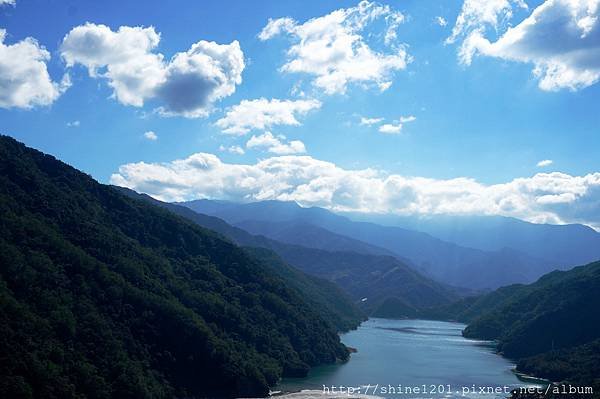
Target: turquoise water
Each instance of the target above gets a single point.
(419, 355)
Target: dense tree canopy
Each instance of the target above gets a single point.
(105, 296)
(552, 327)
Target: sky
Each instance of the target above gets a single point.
(486, 107)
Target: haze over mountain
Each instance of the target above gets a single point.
(311, 236)
(370, 279)
(570, 244)
(444, 261)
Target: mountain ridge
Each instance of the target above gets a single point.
(359, 274)
(568, 244)
(444, 261)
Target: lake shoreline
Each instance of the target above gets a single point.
(410, 354)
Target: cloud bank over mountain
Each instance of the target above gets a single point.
(544, 197)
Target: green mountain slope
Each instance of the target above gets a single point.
(551, 327)
(105, 296)
(560, 310)
(334, 304)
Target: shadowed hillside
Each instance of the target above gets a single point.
(105, 296)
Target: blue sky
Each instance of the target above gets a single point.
(470, 112)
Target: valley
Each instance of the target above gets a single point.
(257, 292)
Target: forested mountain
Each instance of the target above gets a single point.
(105, 296)
(444, 261)
(571, 244)
(551, 326)
(370, 279)
(338, 307)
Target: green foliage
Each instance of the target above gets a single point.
(376, 278)
(579, 365)
(552, 327)
(105, 296)
(560, 310)
(333, 304)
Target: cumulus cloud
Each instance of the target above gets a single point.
(73, 124)
(544, 163)
(545, 197)
(370, 121)
(263, 114)
(150, 135)
(333, 47)
(568, 61)
(24, 78)
(8, 2)
(275, 145)
(186, 85)
(234, 149)
(441, 21)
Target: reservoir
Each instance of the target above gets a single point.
(405, 359)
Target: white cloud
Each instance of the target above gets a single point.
(370, 121)
(263, 114)
(441, 21)
(569, 60)
(150, 135)
(390, 128)
(8, 2)
(396, 126)
(544, 163)
(477, 15)
(73, 124)
(24, 78)
(545, 197)
(334, 50)
(234, 149)
(186, 85)
(276, 27)
(274, 145)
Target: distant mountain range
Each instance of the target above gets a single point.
(444, 261)
(571, 244)
(370, 279)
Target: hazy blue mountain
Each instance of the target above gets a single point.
(569, 245)
(445, 261)
(270, 211)
(311, 236)
(369, 279)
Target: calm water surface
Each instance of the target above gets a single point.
(411, 353)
